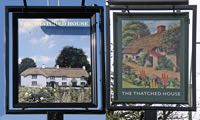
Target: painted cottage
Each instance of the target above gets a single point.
(45, 77)
(149, 44)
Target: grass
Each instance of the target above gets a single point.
(126, 84)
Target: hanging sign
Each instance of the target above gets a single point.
(151, 58)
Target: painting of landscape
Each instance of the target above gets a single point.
(151, 54)
(54, 62)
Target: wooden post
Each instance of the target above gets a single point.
(150, 115)
(55, 116)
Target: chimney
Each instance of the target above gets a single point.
(57, 66)
(83, 67)
(43, 65)
(138, 36)
(161, 28)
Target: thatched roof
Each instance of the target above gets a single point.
(146, 43)
(58, 72)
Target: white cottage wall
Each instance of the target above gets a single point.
(27, 81)
(59, 80)
(42, 81)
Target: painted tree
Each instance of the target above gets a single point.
(170, 43)
(133, 30)
(25, 64)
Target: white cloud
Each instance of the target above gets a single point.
(89, 60)
(19, 60)
(44, 41)
(41, 59)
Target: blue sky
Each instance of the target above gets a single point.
(44, 48)
(152, 24)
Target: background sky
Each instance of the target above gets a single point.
(3, 116)
(44, 48)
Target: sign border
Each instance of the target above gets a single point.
(117, 17)
(87, 11)
(124, 106)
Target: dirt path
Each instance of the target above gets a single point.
(149, 71)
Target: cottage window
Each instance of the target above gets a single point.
(34, 83)
(52, 77)
(82, 78)
(34, 76)
(82, 83)
(64, 83)
(64, 78)
(48, 84)
(137, 57)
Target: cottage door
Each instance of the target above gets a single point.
(74, 82)
(53, 84)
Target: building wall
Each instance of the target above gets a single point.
(68, 80)
(155, 62)
(27, 81)
(42, 81)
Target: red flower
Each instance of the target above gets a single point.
(164, 79)
(142, 73)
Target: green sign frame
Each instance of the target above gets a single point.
(161, 93)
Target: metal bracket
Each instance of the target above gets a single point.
(150, 115)
(55, 116)
(127, 9)
(83, 3)
(173, 8)
(25, 3)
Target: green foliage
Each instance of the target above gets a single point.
(132, 30)
(129, 75)
(130, 59)
(142, 58)
(54, 95)
(124, 115)
(25, 64)
(72, 57)
(164, 64)
(170, 40)
(173, 83)
(137, 81)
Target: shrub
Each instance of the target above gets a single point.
(142, 58)
(164, 64)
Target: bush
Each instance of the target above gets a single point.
(54, 95)
(164, 64)
(142, 58)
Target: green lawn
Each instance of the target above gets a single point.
(126, 84)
